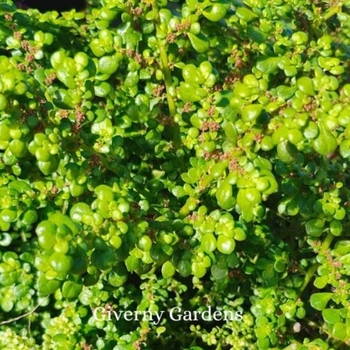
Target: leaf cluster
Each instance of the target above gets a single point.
(159, 154)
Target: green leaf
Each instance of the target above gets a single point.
(231, 132)
(208, 242)
(103, 259)
(5, 239)
(7, 304)
(79, 210)
(198, 269)
(225, 245)
(60, 219)
(108, 65)
(218, 272)
(279, 266)
(251, 112)
(290, 71)
(263, 343)
(65, 77)
(224, 196)
(62, 99)
(314, 227)
(319, 301)
(288, 206)
(198, 42)
(184, 268)
(118, 276)
(132, 79)
(339, 331)
(132, 263)
(246, 14)
(39, 75)
(190, 92)
(219, 169)
(331, 316)
(256, 34)
(285, 92)
(287, 152)
(344, 148)
(103, 89)
(305, 85)
(71, 290)
(325, 143)
(20, 186)
(8, 215)
(321, 282)
(160, 330)
(168, 269)
(342, 247)
(336, 227)
(215, 12)
(268, 65)
(47, 287)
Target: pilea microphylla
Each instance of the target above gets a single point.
(167, 164)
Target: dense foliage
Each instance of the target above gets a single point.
(158, 156)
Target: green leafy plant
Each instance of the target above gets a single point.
(161, 156)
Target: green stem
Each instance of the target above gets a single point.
(167, 77)
(168, 81)
(331, 12)
(312, 270)
(23, 315)
(321, 19)
(165, 68)
(65, 206)
(168, 84)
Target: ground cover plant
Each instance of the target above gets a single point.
(175, 157)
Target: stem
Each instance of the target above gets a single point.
(65, 206)
(167, 77)
(310, 273)
(321, 19)
(312, 270)
(22, 316)
(165, 68)
(331, 12)
(168, 81)
(168, 84)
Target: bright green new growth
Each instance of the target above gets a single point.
(159, 154)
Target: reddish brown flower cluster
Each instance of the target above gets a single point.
(216, 155)
(232, 78)
(235, 166)
(171, 37)
(183, 26)
(63, 113)
(187, 107)
(166, 120)
(80, 116)
(94, 161)
(310, 106)
(210, 125)
(50, 78)
(158, 91)
(17, 35)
